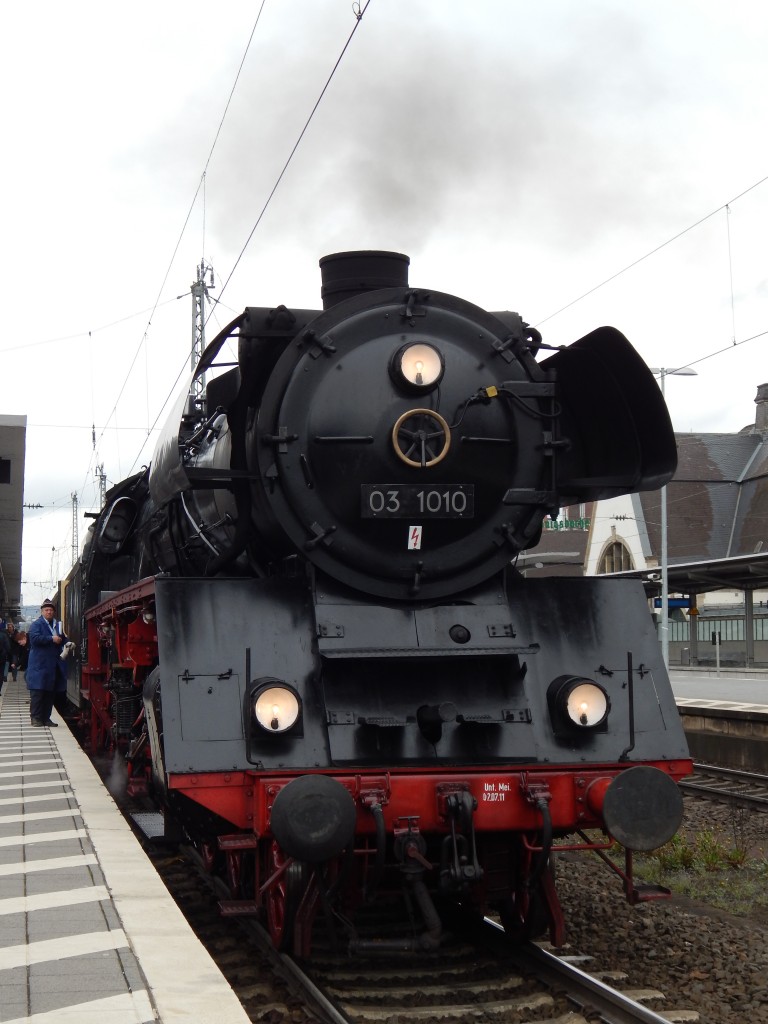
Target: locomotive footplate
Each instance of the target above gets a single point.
(503, 798)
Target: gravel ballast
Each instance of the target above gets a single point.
(701, 956)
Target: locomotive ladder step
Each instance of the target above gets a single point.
(238, 842)
(383, 722)
(151, 823)
(645, 892)
(238, 908)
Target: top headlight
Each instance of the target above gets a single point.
(418, 366)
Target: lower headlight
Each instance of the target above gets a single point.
(586, 704)
(577, 704)
(276, 708)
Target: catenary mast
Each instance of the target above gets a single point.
(199, 288)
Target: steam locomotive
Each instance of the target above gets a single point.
(304, 628)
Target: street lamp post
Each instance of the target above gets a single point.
(663, 372)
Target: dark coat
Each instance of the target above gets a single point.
(19, 651)
(45, 669)
(5, 647)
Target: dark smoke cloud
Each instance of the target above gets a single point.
(437, 127)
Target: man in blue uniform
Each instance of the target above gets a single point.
(5, 654)
(46, 672)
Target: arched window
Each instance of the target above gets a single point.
(615, 558)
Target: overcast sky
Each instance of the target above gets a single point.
(521, 154)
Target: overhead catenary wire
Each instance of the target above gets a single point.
(77, 426)
(149, 429)
(730, 270)
(189, 213)
(157, 303)
(359, 13)
(735, 343)
(658, 248)
(87, 333)
(718, 352)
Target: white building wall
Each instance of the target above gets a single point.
(618, 519)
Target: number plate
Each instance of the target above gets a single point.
(411, 501)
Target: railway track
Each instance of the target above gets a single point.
(481, 976)
(728, 785)
(475, 975)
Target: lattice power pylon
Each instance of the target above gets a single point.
(75, 536)
(101, 476)
(199, 289)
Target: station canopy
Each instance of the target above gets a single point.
(742, 572)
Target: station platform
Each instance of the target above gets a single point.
(724, 706)
(88, 932)
(729, 733)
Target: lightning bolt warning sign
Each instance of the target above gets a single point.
(414, 538)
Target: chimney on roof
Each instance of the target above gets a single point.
(761, 414)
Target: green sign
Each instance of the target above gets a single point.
(566, 524)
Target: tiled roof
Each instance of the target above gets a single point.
(714, 456)
(717, 502)
(717, 505)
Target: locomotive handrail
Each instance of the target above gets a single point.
(141, 589)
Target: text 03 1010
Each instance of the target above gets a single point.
(395, 501)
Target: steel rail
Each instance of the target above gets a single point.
(584, 990)
(732, 777)
(581, 988)
(285, 965)
(731, 773)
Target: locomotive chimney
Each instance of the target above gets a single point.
(761, 413)
(345, 274)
